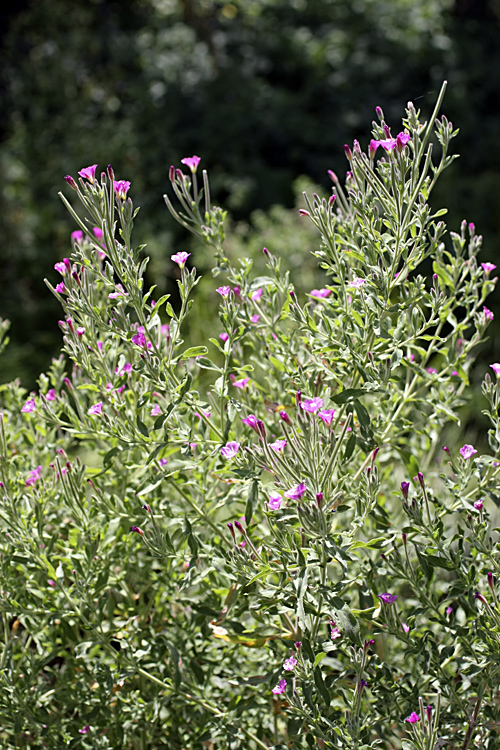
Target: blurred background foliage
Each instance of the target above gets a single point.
(265, 91)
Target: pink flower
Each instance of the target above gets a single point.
(155, 411)
(278, 446)
(140, 339)
(327, 416)
(51, 583)
(413, 718)
(84, 730)
(163, 461)
(255, 318)
(372, 147)
(496, 368)
(241, 383)
(29, 406)
(289, 664)
(51, 395)
(120, 293)
(388, 144)
(60, 288)
(97, 233)
(357, 283)
(252, 422)
(320, 293)
(224, 291)
(127, 367)
(191, 162)
(255, 296)
(488, 267)
(467, 451)
(121, 188)
(60, 268)
(280, 688)
(80, 330)
(230, 450)
(478, 505)
(224, 336)
(405, 627)
(312, 405)
(77, 235)
(432, 370)
(88, 172)
(274, 502)
(297, 492)
(180, 258)
(35, 474)
(334, 631)
(487, 313)
(96, 409)
(387, 598)
(402, 140)
(165, 329)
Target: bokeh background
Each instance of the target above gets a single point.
(265, 91)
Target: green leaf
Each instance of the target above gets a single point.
(252, 497)
(142, 427)
(320, 684)
(194, 351)
(319, 657)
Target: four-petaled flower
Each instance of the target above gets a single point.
(387, 598)
(229, 450)
(255, 296)
(51, 395)
(312, 405)
(77, 235)
(327, 416)
(280, 688)
(487, 313)
(156, 411)
(402, 140)
(34, 475)
(478, 505)
(279, 445)
(241, 383)
(191, 162)
(88, 172)
(320, 293)
(297, 492)
(251, 421)
(413, 718)
(289, 664)
(223, 336)
(121, 188)
(29, 406)
(60, 267)
(224, 291)
(140, 339)
(357, 283)
(334, 631)
(496, 368)
(180, 259)
(60, 288)
(467, 451)
(274, 502)
(85, 729)
(96, 409)
(255, 318)
(98, 233)
(488, 267)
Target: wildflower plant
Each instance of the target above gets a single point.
(262, 542)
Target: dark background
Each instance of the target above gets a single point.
(263, 90)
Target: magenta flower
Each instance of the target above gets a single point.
(241, 383)
(297, 492)
(252, 421)
(488, 267)
(432, 371)
(80, 330)
(274, 502)
(51, 583)
(404, 489)
(467, 451)
(334, 631)
(119, 294)
(405, 627)
(140, 339)
(88, 172)
(255, 318)
(496, 368)
(280, 688)
(372, 147)
(137, 530)
(84, 730)
(34, 475)
(155, 411)
(388, 144)
(402, 140)
(279, 445)
(357, 283)
(121, 188)
(29, 406)
(224, 336)
(60, 288)
(413, 718)
(289, 664)
(97, 233)
(229, 450)
(60, 268)
(224, 291)
(255, 296)
(51, 395)
(191, 162)
(487, 313)
(312, 405)
(327, 416)
(320, 293)
(388, 598)
(478, 505)
(96, 409)
(71, 182)
(77, 235)
(163, 461)
(180, 259)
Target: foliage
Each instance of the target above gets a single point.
(341, 589)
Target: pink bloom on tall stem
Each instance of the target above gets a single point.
(191, 162)
(255, 318)
(289, 664)
(487, 313)
(478, 505)
(61, 267)
(121, 188)
(155, 411)
(224, 336)
(60, 288)
(119, 294)
(387, 598)
(85, 729)
(51, 395)
(327, 416)
(467, 451)
(252, 422)
(496, 368)
(488, 267)
(357, 283)
(320, 293)
(278, 446)
(139, 339)
(88, 172)
(242, 383)
(77, 235)
(255, 296)
(180, 259)
(35, 474)
(96, 409)
(388, 144)
(312, 405)
(230, 450)
(29, 406)
(224, 291)
(297, 492)
(405, 627)
(402, 140)
(274, 502)
(279, 688)
(413, 718)
(372, 147)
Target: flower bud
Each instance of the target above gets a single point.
(137, 530)
(284, 416)
(489, 576)
(348, 152)
(380, 113)
(71, 182)
(404, 489)
(171, 173)
(420, 477)
(111, 173)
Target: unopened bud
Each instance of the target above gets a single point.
(71, 182)
(319, 499)
(137, 530)
(420, 477)
(379, 112)
(333, 176)
(171, 173)
(489, 576)
(348, 152)
(284, 416)
(111, 173)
